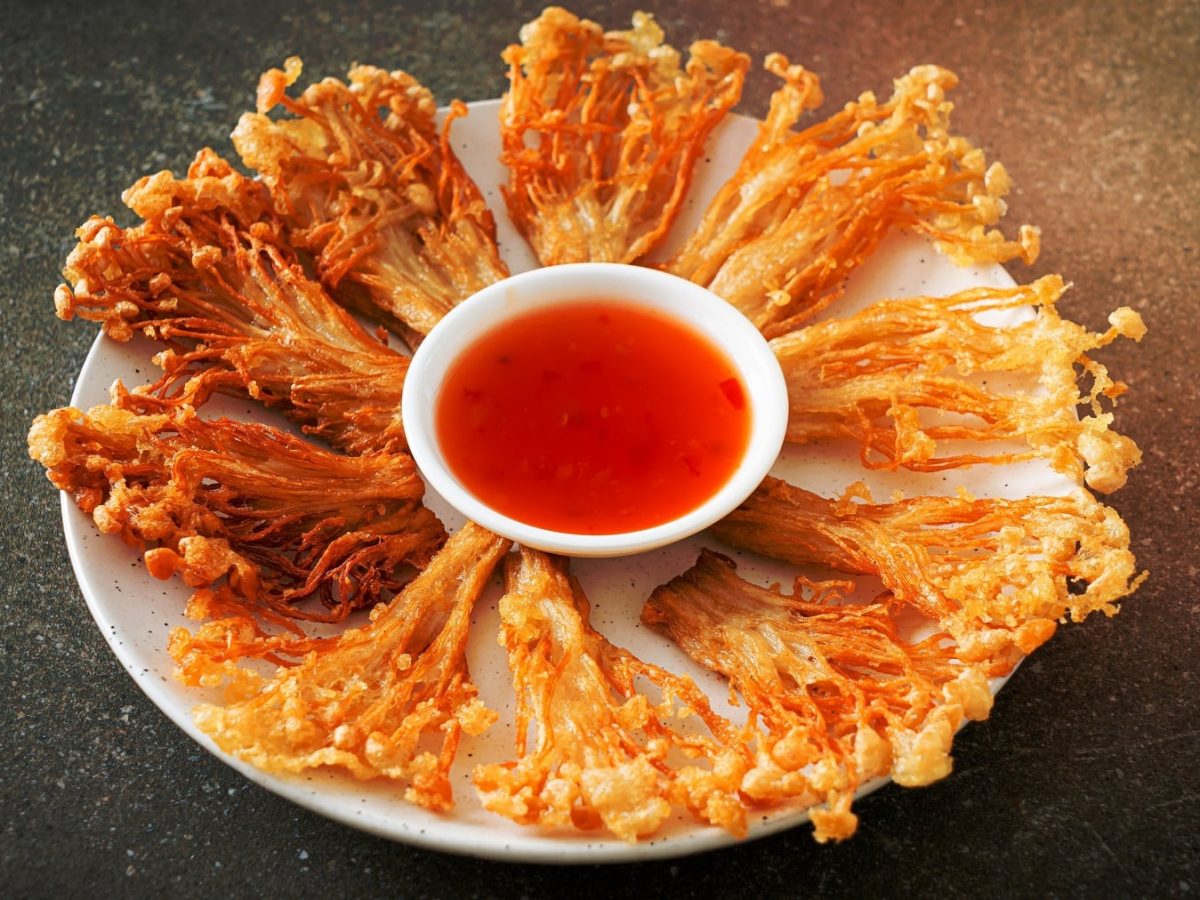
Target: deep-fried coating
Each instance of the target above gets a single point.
(962, 562)
(369, 186)
(885, 377)
(601, 132)
(601, 752)
(805, 208)
(363, 702)
(210, 274)
(277, 518)
(839, 695)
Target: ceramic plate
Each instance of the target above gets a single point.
(135, 612)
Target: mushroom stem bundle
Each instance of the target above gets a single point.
(960, 561)
(837, 695)
(886, 378)
(276, 518)
(602, 747)
(211, 274)
(602, 130)
(806, 207)
(368, 184)
(363, 701)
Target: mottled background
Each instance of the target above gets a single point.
(1083, 781)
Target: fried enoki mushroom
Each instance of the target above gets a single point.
(278, 519)
(885, 378)
(805, 208)
(837, 695)
(363, 702)
(368, 184)
(602, 747)
(601, 132)
(963, 562)
(210, 274)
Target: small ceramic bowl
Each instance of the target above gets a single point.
(703, 311)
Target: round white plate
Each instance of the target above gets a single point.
(135, 612)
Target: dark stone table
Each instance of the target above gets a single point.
(1086, 779)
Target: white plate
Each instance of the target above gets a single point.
(135, 612)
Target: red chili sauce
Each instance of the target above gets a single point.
(593, 418)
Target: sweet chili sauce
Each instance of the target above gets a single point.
(593, 418)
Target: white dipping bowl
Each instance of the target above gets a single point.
(669, 295)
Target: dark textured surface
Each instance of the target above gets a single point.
(1086, 779)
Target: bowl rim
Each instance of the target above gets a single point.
(685, 302)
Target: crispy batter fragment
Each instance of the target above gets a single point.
(228, 632)
(601, 132)
(277, 518)
(960, 561)
(210, 274)
(369, 186)
(363, 701)
(601, 753)
(839, 695)
(877, 377)
(805, 208)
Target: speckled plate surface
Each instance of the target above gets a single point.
(135, 612)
